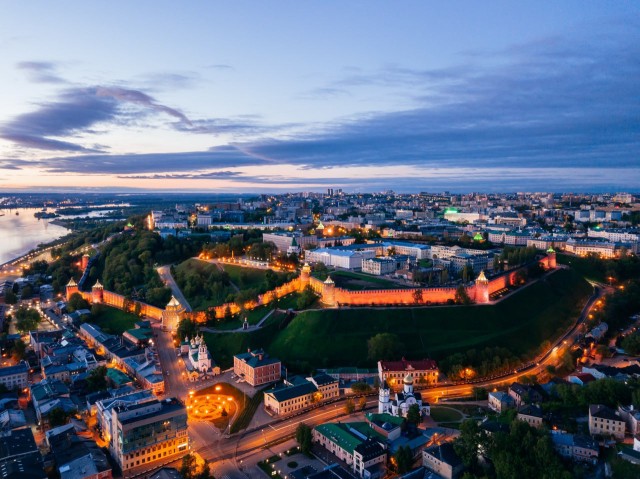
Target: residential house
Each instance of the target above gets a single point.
(443, 460)
(500, 401)
(604, 421)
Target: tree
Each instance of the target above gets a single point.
(413, 415)
(76, 302)
(97, 379)
(18, 350)
(384, 346)
(187, 468)
(187, 328)
(631, 344)
(205, 472)
(349, 406)
(360, 387)
(417, 296)
(306, 298)
(462, 297)
(362, 403)
(58, 417)
(303, 437)
(403, 459)
(27, 319)
(10, 297)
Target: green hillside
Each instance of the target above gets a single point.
(339, 337)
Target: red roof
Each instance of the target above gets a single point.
(407, 365)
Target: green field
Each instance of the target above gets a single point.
(360, 282)
(113, 321)
(250, 278)
(338, 337)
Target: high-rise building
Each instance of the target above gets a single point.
(151, 432)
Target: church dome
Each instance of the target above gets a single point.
(408, 379)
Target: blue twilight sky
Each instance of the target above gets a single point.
(291, 95)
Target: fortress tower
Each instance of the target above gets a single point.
(329, 292)
(171, 315)
(85, 261)
(72, 287)
(482, 288)
(97, 293)
(305, 274)
(551, 254)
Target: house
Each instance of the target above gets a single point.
(500, 401)
(580, 378)
(349, 444)
(257, 368)
(631, 417)
(299, 393)
(530, 414)
(604, 421)
(523, 393)
(15, 377)
(443, 460)
(424, 372)
(77, 457)
(166, 473)
(575, 447)
(19, 456)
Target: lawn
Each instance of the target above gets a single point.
(361, 282)
(113, 321)
(333, 338)
(224, 346)
(250, 278)
(446, 414)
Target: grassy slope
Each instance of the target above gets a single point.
(200, 301)
(586, 267)
(114, 321)
(247, 278)
(521, 323)
(339, 337)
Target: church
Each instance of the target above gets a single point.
(198, 359)
(403, 400)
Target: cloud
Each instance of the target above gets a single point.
(211, 175)
(220, 66)
(41, 72)
(77, 110)
(217, 157)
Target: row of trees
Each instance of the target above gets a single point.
(521, 453)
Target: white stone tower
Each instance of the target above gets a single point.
(384, 404)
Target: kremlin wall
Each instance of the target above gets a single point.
(330, 295)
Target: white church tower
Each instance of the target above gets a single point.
(384, 405)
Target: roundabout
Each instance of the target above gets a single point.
(211, 406)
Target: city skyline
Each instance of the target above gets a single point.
(252, 97)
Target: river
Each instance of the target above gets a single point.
(21, 233)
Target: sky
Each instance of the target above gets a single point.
(273, 96)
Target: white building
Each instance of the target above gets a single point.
(198, 355)
(339, 258)
(403, 400)
(379, 266)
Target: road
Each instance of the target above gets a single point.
(165, 275)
